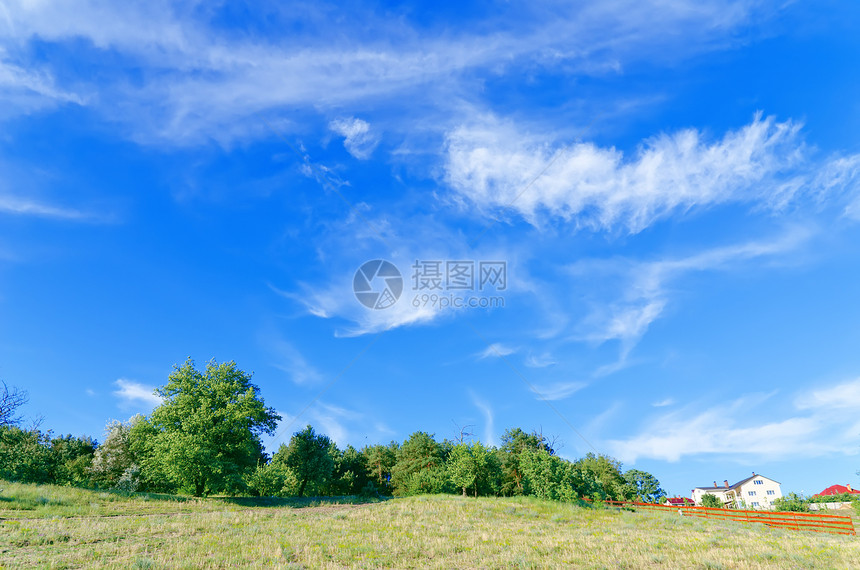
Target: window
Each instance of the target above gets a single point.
(758, 482)
(755, 504)
(752, 493)
(771, 492)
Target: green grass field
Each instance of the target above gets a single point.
(59, 527)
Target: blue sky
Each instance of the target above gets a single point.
(674, 188)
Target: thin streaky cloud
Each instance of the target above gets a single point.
(25, 207)
(496, 350)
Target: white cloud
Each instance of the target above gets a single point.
(641, 287)
(202, 84)
(822, 423)
(560, 390)
(26, 90)
(28, 207)
(342, 425)
(663, 403)
(358, 140)
(496, 350)
(495, 166)
(844, 396)
(291, 361)
(489, 420)
(543, 360)
(133, 393)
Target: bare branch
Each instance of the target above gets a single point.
(10, 401)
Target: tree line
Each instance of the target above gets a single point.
(206, 438)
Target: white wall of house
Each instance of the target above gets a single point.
(759, 492)
(724, 494)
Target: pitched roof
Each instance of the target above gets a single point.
(738, 484)
(753, 476)
(836, 490)
(679, 501)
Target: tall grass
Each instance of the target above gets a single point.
(416, 532)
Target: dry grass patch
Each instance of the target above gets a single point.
(418, 532)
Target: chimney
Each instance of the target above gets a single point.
(753, 473)
(848, 486)
(727, 483)
(715, 484)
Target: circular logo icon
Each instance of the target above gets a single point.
(377, 284)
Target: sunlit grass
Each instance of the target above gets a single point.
(417, 532)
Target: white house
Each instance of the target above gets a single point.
(756, 492)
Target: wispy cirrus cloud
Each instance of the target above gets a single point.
(489, 419)
(496, 350)
(17, 206)
(291, 361)
(205, 83)
(817, 423)
(641, 288)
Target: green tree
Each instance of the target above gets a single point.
(712, 501)
(792, 503)
(25, 455)
(206, 433)
(607, 471)
(308, 457)
(114, 456)
(472, 466)
(645, 486)
(72, 458)
(419, 467)
(514, 441)
(350, 475)
(380, 461)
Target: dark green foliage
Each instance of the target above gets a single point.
(25, 455)
(350, 474)
(206, 438)
(30, 456)
(380, 461)
(607, 472)
(514, 441)
(309, 458)
(419, 467)
(644, 486)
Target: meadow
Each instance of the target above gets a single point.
(63, 527)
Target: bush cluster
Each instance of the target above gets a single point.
(205, 438)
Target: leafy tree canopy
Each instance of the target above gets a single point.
(207, 430)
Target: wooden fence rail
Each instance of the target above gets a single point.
(835, 524)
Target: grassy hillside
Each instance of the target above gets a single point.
(61, 527)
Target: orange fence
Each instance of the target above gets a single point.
(836, 524)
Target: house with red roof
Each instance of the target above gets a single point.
(679, 502)
(837, 490)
